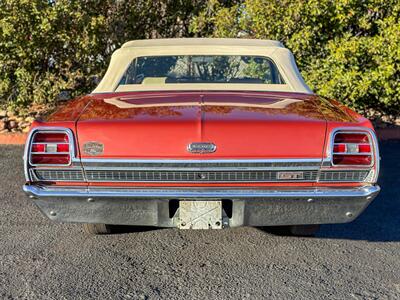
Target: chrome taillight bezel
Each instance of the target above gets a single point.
(70, 152)
(29, 142)
(374, 165)
(339, 153)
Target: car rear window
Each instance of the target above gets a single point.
(160, 70)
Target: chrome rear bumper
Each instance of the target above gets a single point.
(252, 207)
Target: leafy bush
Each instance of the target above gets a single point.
(345, 49)
(48, 46)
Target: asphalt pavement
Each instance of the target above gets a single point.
(40, 259)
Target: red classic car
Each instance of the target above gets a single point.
(202, 133)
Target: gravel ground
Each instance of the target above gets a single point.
(44, 260)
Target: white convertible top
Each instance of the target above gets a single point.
(274, 50)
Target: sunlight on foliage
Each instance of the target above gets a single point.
(345, 49)
(50, 46)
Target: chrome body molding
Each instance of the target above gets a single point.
(57, 175)
(194, 176)
(220, 193)
(252, 207)
(197, 175)
(191, 164)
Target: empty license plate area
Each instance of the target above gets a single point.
(200, 214)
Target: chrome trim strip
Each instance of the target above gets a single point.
(320, 176)
(187, 176)
(34, 175)
(343, 175)
(203, 169)
(212, 165)
(56, 168)
(358, 153)
(42, 191)
(49, 153)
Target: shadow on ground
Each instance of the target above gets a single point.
(121, 229)
(380, 222)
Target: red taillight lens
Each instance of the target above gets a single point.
(351, 138)
(51, 137)
(50, 159)
(339, 148)
(352, 159)
(39, 148)
(50, 148)
(63, 148)
(352, 149)
(366, 148)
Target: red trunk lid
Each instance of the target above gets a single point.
(241, 125)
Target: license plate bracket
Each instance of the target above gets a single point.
(200, 214)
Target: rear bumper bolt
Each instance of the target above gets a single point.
(349, 214)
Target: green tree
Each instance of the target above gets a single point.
(49, 46)
(345, 49)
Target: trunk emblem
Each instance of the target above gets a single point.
(93, 148)
(202, 148)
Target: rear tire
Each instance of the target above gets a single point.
(303, 230)
(97, 228)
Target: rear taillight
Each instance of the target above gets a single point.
(50, 148)
(352, 148)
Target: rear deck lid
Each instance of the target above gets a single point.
(163, 125)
